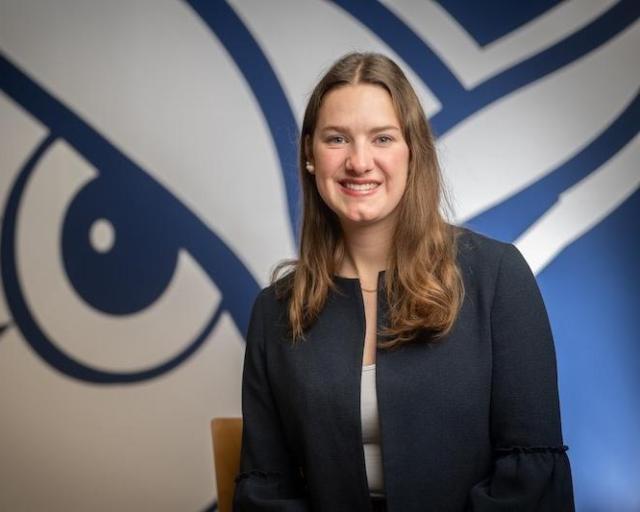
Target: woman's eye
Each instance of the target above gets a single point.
(384, 139)
(336, 139)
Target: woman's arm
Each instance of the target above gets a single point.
(268, 479)
(531, 468)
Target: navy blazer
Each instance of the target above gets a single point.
(470, 422)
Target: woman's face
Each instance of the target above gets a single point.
(360, 156)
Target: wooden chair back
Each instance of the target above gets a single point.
(226, 434)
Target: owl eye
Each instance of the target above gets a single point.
(97, 258)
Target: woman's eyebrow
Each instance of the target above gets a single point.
(343, 129)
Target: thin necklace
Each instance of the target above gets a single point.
(365, 289)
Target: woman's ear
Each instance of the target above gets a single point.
(308, 154)
(308, 149)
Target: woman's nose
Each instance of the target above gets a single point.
(359, 159)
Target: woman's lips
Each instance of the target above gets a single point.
(359, 190)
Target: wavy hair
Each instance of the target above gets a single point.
(423, 284)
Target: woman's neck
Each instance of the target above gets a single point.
(367, 250)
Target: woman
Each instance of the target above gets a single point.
(403, 364)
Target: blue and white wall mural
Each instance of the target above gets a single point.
(148, 186)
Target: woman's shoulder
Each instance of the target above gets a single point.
(472, 243)
(479, 254)
(484, 259)
(274, 295)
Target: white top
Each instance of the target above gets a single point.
(371, 430)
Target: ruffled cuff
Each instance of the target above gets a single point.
(526, 478)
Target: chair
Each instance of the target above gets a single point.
(226, 434)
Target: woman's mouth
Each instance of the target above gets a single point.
(354, 188)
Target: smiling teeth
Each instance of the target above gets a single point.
(354, 186)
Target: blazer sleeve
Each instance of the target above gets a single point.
(268, 480)
(531, 470)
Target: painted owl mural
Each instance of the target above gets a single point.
(148, 185)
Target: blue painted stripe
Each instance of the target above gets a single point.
(265, 86)
(489, 20)
(509, 219)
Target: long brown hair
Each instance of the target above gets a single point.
(423, 285)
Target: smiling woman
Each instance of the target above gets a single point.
(402, 362)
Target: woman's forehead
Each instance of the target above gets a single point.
(360, 105)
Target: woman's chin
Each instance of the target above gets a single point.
(360, 220)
